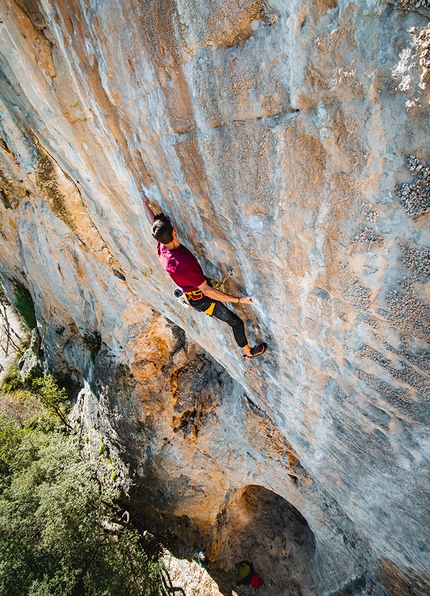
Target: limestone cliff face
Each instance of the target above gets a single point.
(290, 141)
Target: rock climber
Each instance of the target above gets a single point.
(185, 271)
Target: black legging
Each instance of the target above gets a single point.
(222, 313)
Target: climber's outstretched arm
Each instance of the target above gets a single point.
(150, 215)
(210, 292)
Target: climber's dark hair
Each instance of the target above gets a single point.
(162, 229)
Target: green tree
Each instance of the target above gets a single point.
(52, 397)
(45, 388)
(60, 531)
(12, 379)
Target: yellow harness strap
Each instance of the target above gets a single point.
(210, 311)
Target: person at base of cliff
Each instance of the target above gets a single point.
(203, 559)
(246, 575)
(184, 269)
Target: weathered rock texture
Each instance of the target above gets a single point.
(289, 140)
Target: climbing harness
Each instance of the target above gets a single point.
(198, 295)
(185, 298)
(194, 295)
(210, 310)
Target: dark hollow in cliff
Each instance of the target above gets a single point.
(260, 526)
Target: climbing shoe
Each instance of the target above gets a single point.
(257, 350)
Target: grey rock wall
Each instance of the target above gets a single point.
(290, 141)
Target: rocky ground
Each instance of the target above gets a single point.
(196, 581)
(263, 529)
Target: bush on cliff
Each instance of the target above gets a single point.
(53, 399)
(12, 379)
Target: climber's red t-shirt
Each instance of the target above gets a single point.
(182, 266)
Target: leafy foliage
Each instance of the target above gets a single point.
(52, 396)
(60, 529)
(45, 388)
(12, 379)
(25, 306)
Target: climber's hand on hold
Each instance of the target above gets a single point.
(147, 207)
(246, 300)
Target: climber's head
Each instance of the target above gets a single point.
(162, 229)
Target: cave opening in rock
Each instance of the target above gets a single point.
(262, 527)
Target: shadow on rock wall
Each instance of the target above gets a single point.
(260, 526)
